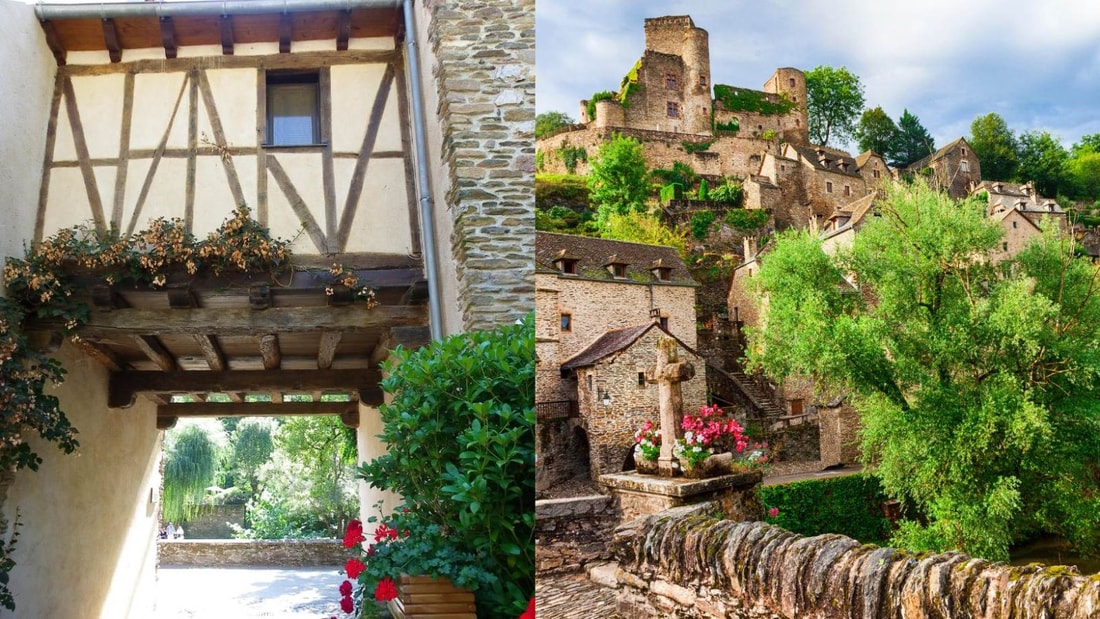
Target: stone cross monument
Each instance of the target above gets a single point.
(668, 374)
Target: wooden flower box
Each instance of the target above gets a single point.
(431, 598)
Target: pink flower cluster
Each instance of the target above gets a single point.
(705, 429)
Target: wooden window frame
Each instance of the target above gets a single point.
(278, 80)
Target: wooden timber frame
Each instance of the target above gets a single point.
(240, 344)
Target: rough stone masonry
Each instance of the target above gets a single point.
(683, 563)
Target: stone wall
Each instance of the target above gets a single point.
(797, 443)
(482, 66)
(561, 448)
(215, 523)
(839, 433)
(684, 564)
(570, 533)
(253, 552)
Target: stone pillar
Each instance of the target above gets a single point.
(370, 447)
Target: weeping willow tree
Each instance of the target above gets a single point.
(189, 468)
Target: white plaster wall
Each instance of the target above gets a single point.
(26, 86)
(87, 546)
(439, 173)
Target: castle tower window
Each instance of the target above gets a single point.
(702, 80)
(798, 122)
(566, 322)
(293, 108)
(790, 82)
(641, 379)
(670, 81)
(847, 190)
(828, 187)
(673, 109)
(1004, 246)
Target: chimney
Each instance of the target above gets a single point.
(750, 247)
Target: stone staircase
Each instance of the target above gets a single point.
(735, 385)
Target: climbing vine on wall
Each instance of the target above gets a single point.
(629, 85)
(744, 100)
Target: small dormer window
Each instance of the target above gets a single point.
(618, 269)
(663, 274)
(568, 266)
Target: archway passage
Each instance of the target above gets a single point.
(251, 345)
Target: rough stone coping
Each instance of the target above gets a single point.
(571, 506)
(678, 487)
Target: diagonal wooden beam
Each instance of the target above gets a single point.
(156, 352)
(297, 204)
(123, 387)
(269, 350)
(168, 37)
(103, 355)
(358, 177)
(54, 43)
(227, 35)
(286, 30)
(213, 354)
(343, 30)
(95, 201)
(145, 186)
(327, 350)
(219, 137)
(110, 39)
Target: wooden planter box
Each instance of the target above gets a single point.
(434, 598)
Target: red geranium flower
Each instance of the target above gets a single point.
(354, 567)
(386, 590)
(345, 588)
(354, 534)
(530, 612)
(383, 532)
(346, 604)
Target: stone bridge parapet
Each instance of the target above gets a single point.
(253, 552)
(684, 563)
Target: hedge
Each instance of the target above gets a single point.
(850, 505)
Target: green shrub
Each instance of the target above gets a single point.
(695, 147)
(599, 96)
(704, 191)
(744, 100)
(671, 191)
(727, 127)
(746, 220)
(460, 433)
(730, 193)
(700, 223)
(571, 156)
(561, 189)
(849, 505)
(680, 172)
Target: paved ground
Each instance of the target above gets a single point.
(573, 596)
(247, 593)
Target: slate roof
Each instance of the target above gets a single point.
(922, 163)
(865, 156)
(593, 255)
(809, 153)
(613, 341)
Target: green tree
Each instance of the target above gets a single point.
(618, 178)
(550, 122)
(643, 228)
(1043, 160)
(913, 141)
(1083, 170)
(834, 98)
(876, 132)
(252, 445)
(996, 147)
(975, 381)
(189, 464)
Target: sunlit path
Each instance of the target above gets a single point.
(271, 593)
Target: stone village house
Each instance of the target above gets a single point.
(600, 306)
(395, 135)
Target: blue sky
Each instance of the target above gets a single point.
(1036, 63)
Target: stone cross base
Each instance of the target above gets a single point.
(642, 495)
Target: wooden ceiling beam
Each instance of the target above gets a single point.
(124, 386)
(54, 43)
(408, 337)
(227, 35)
(327, 349)
(166, 422)
(215, 358)
(233, 409)
(286, 31)
(156, 352)
(350, 418)
(110, 39)
(168, 37)
(244, 321)
(343, 31)
(103, 355)
(269, 351)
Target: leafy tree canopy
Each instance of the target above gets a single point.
(834, 98)
(876, 132)
(1043, 160)
(976, 382)
(618, 178)
(996, 147)
(550, 122)
(913, 141)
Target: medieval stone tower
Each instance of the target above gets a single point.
(791, 83)
(677, 77)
